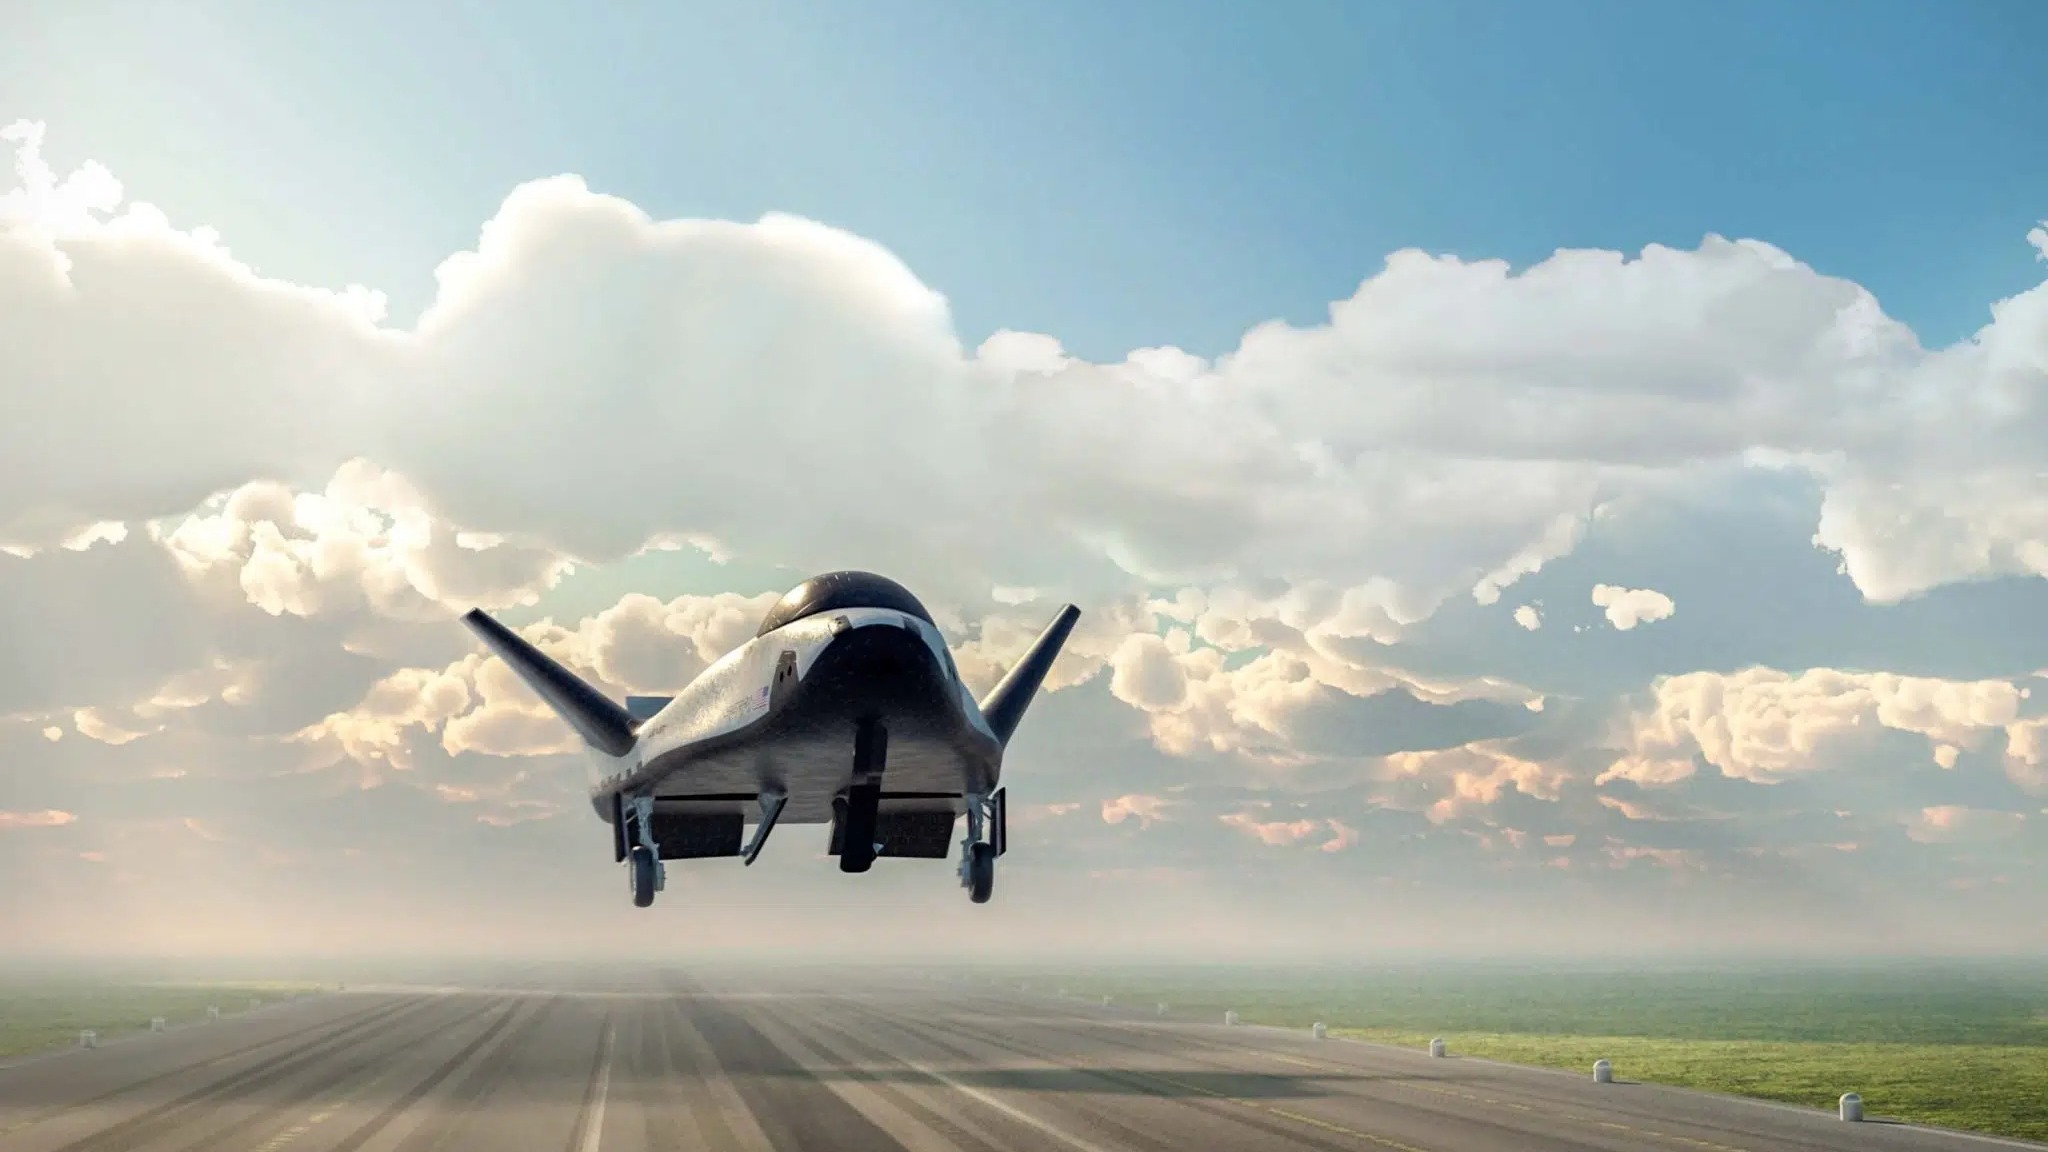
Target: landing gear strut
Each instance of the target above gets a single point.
(857, 847)
(634, 838)
(985, 815)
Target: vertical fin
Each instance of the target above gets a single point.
(603, 724)
(1005, 703)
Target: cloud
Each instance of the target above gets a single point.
(368, 540)
(1346, 836)
(1950, 823)
(239, 516)
(1766, 726)
(1452, 783)
(1146, 810)
(1295, 692)
(1628, 607)
(1274, 833)
(47, 818)
(1335, 459)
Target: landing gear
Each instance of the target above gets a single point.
(857, 846)
(635, 827)
(645, 871)
(772, 803)
(986, 836)
(981, 872)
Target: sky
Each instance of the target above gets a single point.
(1558, 479)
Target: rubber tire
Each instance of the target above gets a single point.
(641, 864)
(981, 872)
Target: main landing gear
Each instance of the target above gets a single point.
(857, 846)
(633, 842)
(985, 815)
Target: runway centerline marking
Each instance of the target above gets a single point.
(593, 1125)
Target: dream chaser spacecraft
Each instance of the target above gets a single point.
(844, 709)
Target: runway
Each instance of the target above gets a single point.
(733, 1062)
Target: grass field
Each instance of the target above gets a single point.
(1961, 1046)
(45, 1013)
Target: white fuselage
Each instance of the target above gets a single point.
(777, 714)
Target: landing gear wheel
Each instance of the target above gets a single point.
(643, 868)
(981, 872)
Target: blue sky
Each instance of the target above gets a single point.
(1123, 175)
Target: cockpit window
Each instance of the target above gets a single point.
(834, 591)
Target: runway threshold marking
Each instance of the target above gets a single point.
(593, 1124)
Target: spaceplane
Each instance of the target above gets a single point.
(846, 708)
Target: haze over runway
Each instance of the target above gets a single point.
(638, 1061)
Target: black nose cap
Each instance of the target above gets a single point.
(878, 664)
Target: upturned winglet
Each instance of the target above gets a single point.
(1004, 705)
(603, 724)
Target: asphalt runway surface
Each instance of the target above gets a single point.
(861, 1064)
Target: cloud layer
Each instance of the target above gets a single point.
(240, 515)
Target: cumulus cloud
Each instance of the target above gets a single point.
(1337, 458)
(1766, 726)
(1448, 784)
(1528, 617)
(1265, 680)
(641, 645)
(1628, 607)
(368, 540)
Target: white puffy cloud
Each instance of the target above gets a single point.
(1145, 672)
(145, 368)
(641, 645)
(2026, 754)
(1764, 725)
(1528, 617)
(1628, 607)
(1453, 783)
(733, 380)
(1238, 676)
(368, 541)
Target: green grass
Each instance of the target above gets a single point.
(1961, 1046)
(40, 1014)
(1989, 1088)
